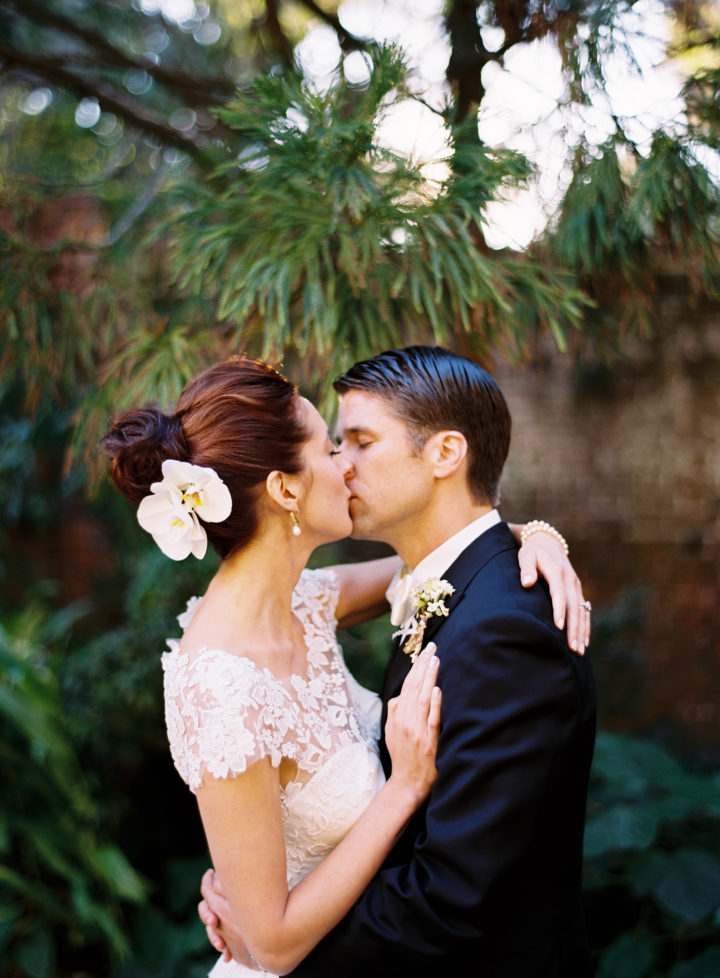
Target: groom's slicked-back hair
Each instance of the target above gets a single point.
(432, 389)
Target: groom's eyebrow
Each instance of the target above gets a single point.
(354, 430)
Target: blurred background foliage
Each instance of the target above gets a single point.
(177, 185)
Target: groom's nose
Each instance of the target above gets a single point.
(344, 464)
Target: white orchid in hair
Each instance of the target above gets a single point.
(172, 513)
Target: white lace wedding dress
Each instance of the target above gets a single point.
(223, 714)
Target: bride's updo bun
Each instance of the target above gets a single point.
(240, 417)
(138, 443)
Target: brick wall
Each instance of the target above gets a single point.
(624, 457)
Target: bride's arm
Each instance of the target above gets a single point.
(363, 585)
(242, 821)
(362, 589)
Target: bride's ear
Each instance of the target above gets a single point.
(284, 490)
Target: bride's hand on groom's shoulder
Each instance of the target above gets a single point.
(216, 914)
(543, 555)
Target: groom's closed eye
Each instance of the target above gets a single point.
(358, 437)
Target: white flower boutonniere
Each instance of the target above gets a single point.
(429, 601)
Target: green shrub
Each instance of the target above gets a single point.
(62, 881)
(652, 853)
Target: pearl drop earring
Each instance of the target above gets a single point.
(296, 531)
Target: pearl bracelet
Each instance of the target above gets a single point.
(540, 526)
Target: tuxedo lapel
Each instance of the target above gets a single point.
(395, 668)
(461, 572)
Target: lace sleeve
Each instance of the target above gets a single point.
(316, 595)
(222, 715)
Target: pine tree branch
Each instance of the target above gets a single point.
(137, 208)
(55, 72)
(195, 91)
(442, 113)
(468, 57)
(346, 39)
(282, 42)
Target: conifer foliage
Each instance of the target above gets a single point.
(318, 238)
(238, 205)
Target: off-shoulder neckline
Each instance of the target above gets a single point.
(197, 653)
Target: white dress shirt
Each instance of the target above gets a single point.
(406, 582)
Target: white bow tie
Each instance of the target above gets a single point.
(400, 594)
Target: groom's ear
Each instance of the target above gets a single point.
(447, 451)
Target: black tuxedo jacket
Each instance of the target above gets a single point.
(489, 870)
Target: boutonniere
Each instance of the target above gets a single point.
(430, 602)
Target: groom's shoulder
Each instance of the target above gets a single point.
(488, 557)
(493, 583)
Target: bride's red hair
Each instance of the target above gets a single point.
(240, 417)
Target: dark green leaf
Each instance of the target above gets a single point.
(629, 956)
(705, 965)
(620, 828)
(689, 887)
(36, 955)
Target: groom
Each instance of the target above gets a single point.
(488, 871)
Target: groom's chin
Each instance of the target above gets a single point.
(360, 528)
(357, 532)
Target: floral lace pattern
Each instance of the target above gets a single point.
(223, 713)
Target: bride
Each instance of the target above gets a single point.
(266, 725)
